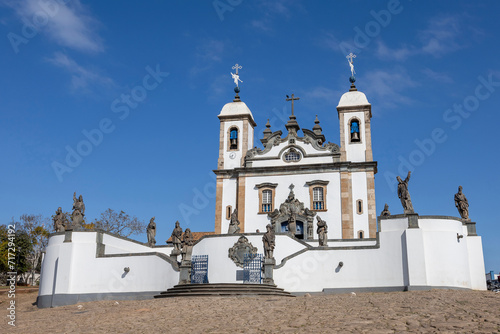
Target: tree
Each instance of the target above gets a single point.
(38, 232)
(119, 223)
(22, 248)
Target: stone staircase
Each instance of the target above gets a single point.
(223, 289)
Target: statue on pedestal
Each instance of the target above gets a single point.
(187, 245)
(176, 238)
(269, 239)
(151, 232)
(78, 211)
(59, 221)
(404, 194)
(462, 204)
(322, 232)
(234, 223)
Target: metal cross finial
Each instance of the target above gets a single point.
(351, 56)
(236, 67)
(293, 98)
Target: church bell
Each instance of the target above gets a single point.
(354, 136)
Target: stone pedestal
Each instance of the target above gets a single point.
(471, 228)
(185, 274)
(268, 270)
(412, 220)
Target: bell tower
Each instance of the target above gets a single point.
(359, 219)
(235, 139)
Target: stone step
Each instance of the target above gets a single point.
(223, 289)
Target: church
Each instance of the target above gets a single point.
(298, 215)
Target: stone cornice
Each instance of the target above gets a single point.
(300, 169)
(238, 118)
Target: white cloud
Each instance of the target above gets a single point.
(207, 53)
(70, 25)
(383, 51)
(323, 94)
(81, 77)
(386, 86)
(437, 76)
(440, 37)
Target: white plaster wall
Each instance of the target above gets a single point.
(229, 187)
(236, 162)
(476, 262)
(359, 192)
(355, 152)
(446, 258)
(250, 136)
(73, 268)
(254, 220)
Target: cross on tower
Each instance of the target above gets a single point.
(293, 98)
(236, 67)
(350, 57)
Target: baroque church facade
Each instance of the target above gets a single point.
(335, 182)
(288, 190)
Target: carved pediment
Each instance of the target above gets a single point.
(239, 249)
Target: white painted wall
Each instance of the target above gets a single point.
(428, 256)
(355, 152)
(229, 187)
(236, 162)
(359, 192)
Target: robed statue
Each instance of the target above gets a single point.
(322, 231)
(59, 221)
(151, 232)
(234, 223)
(386, 211)
(404, 194)
(269, 239)
(462, 204)
(187, 245)
(176, 238)
(78, 211)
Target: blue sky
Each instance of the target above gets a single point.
(146, 81)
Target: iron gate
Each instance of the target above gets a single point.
(252, 268)
(199, 269)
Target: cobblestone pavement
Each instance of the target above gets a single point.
(436, 311)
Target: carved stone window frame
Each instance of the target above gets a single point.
(349, 123)
(233, 127)
(359, 205)
(292, 150)
(266, 186)
(361, 234)
(318, 184)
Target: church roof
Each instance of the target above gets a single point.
(235, 108)
(353, 98)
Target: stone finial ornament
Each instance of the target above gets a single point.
(59, 221)
(462, 204)
(322, 231)
(386, 211)
(404, 194)
(151, 232)
(177, 238)
(234, 223)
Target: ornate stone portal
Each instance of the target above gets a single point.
(291, 211)
(239, 249)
